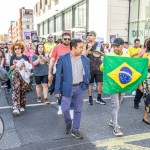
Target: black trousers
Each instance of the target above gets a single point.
(138, 96)
(8, 82)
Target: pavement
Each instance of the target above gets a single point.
(40, 128)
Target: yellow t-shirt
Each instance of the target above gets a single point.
(133, 50)
(114, 54)
(147, 55)
(48, 47)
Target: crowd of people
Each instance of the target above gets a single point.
(71, 66)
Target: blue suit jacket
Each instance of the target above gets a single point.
(63, 83)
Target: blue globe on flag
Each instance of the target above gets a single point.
(125, 75)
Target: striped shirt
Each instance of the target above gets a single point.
(77, 70)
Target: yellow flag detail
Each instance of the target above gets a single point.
(124, 75)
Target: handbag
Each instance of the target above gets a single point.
(3, 75)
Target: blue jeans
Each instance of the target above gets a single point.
(59, 103)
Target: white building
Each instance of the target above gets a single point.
(106, 17)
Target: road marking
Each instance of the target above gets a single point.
(123, 142)
(53, 103)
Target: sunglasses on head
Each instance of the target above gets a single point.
(66, 39)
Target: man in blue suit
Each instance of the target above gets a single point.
(72, 78)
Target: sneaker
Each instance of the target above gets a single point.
(111, 124)
(117, 132)
(134, 93)
(46, 101)
(68, 128)
(22, 109)
(100, 101)
(59, 111)
(39, 100)
(136, 105)
(90, 101)
(16, 112)
(77, 134)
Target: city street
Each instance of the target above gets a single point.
(40, 128)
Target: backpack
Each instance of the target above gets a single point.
(3, 75)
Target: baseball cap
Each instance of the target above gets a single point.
(92, 32)
(118, 41)
(50, 36)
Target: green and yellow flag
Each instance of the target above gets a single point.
(123, 74)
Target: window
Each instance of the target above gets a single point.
(45, 28)
(80, 15)
(51, 26)
(144, 9)
(58, 23)
(134, 5)
(45, 2)
(41, 29)
(28, 26)
(68, 19)
(56, 2)
(40, 4)
(36, 8)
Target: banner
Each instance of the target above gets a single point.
(34, 37)
(27, 36)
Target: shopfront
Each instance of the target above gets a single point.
(139, 20)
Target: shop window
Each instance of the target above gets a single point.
(41, 29)
(133, 32)
(68, 19)
(59, 23)
(45, 28)
(80, 15)
(51, 26)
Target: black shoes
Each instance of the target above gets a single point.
(90, 101)
(77, 134)
(68, 128)
(100, 101)
(136, 105)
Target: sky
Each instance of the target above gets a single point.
(9, 10)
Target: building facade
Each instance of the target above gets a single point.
(23, 25)
(109, 18)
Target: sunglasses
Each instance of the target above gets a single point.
(65, 39)
(17, 48)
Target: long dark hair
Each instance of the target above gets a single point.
(148, 45)
(36, 51)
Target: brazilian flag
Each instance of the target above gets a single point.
(123, 74)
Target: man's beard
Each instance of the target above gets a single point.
(66, 44)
